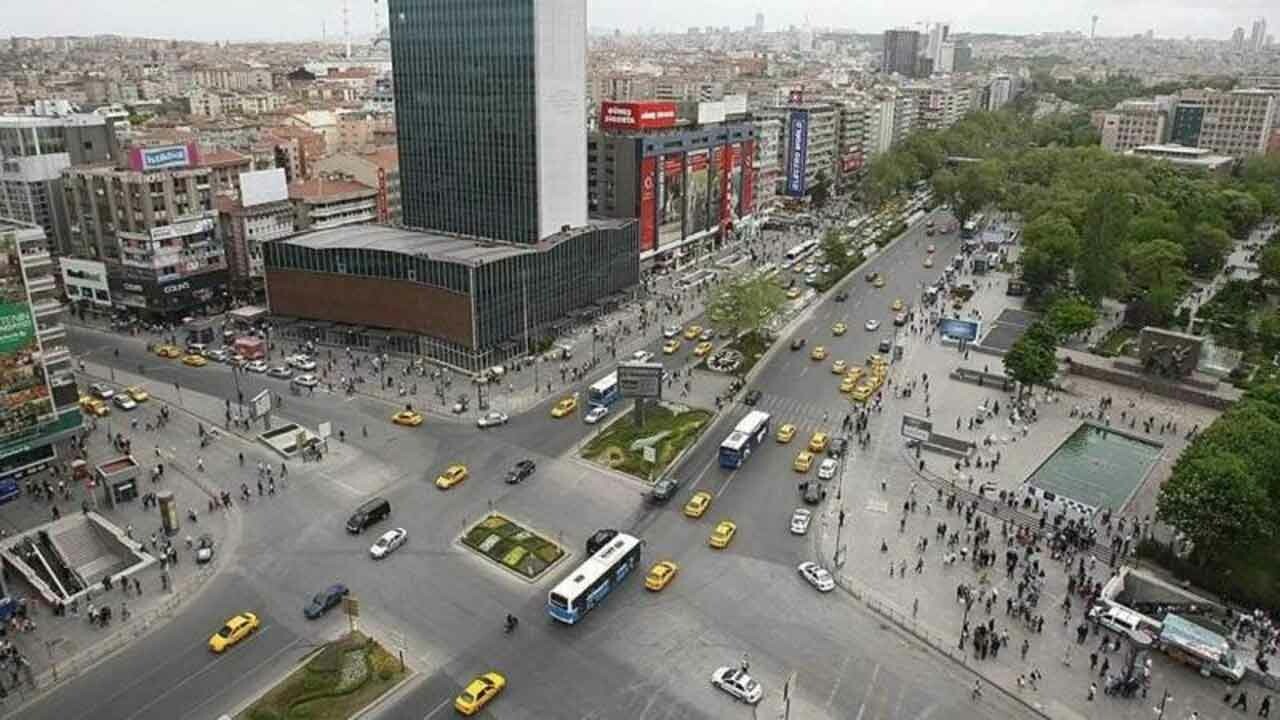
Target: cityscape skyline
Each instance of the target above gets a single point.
(280, 20)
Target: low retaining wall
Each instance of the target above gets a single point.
(1219, 399)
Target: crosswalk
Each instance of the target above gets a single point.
(806, 416)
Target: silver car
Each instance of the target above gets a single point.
(388, 543)
(492, 419)
(800, 521)
(817, 576)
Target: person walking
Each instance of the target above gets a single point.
(1093, 691)
(1241, 703)
(1264, 710)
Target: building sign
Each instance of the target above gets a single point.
(727, 209)
(190, 227)
(671, 195)
(25, 397)
(640, 380)
(916, 427)
(955, 329)
(384, 209)
(797, 153)
(637, 115)
(85, 280)
(166, 157)
(696, 184)
(649, 179)
(748, 177)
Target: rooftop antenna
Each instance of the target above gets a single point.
(1093, 31)
(346, 25)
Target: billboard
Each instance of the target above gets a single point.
(715, 187)
(648, 204)
(640, 380)
(696, 192)
(164, 157)
(956, 329)
(637, 115)
(748, 177)
(916, 427)
(671, 191)
(710, 112)
(797, 152)
(263, 186)
(24, 392)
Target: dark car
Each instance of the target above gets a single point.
(842, 296)
(325, 600)
(600, 539)
(797, 343)
(838, 446)
(664, 490)
(753, 397)
(520, 471)
(812, 492)
(885, 345)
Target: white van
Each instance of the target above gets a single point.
(1134, 625)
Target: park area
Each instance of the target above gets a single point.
(512, 546)
(668, 428)
(347, 675)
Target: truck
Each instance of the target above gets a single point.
(1199, 647)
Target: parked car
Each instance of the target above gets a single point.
(280, 371)
(664, 490)
(817, 576)
(325, 600)
(738, 684)
(800, 520)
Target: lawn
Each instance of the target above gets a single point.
(668, 427)
(513, 547)
(1115, 341)
(344, 677)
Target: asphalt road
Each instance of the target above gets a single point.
(640, 655)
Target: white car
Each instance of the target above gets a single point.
(280, 371)
(306, 381)
(303, 363)
(872, 325)
(827, 469)
(124, 402)
(800, 521)
(256, 366)
(595, 414)
(737, 683)
(388, 543)
(671, 331)
(817, 576)
(218, 355)
(492, 418)
(642, 356)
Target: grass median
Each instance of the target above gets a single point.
(347, 675)
(512, 546)
(668, 428)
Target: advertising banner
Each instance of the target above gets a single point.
(729, 175)
(956, 329)
(671, 215)
(164, 157)
(648, 204)
(24, 392)
(715, 185)
(748, 177)
(797, 152)
(637, 115)
(696, 192)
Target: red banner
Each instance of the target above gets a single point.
(648, 204)
(727, 157)
(637, 115)
(748, 177)
(851, 162)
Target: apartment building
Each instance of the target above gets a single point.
(1134, 123)
(810, 135)
(378, 168)
(768, 161)
(1236, 122)
(262, 215)
(879, 126)
(331, 201)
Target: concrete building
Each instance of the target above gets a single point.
(1258, 37)
(1185, 158)
(378, 169)
(901, 53)
(246, 223)
(225, 168)
(1002, 89)
(938, 34)
(1134, 123)
(904, 116)
(880, 124)
(151, 220)
(851, 135)
(810, 133)
(41, 403)
(33, 153)
(332, 200)
(1236, 122)
(770, 143)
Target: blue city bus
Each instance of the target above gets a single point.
(588, 585)
(747, 435)
(605, 390)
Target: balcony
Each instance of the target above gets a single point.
(36, 256)
(40, 283)
(41, 308)
(55, 354)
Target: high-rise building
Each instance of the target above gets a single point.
(945, 62)
(1258, 38)
(39, 388)
(963, 59)
(491, 116)
(1133, 123)
(1237, 38)
(33, 153)
(1236, 123)
(759, 22)
(938, 34)
(901, 52)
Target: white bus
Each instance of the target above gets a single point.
(802, 250)
(592, 581)
(604, 391)
(747, 435)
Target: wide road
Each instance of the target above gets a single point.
(639, 655)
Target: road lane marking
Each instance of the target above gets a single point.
(436, 709)
(725, 486)
(835, 687)
(862, 708)
(253, 669)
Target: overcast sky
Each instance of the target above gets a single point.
(302, 19)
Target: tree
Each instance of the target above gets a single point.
(747, 304)
(980, 184)
(1031, 360)
(1070, 315)
(1156, 263)
(1241, 210)
(1213, 499)
(1269, 263)
(1207, 248)
(833, 249)
(1098, 272)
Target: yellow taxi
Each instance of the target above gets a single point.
(408, 418)
(879, 281)
(671, 346)
(94, 406)
(803, 462)
(897, 305)
(818, 442)
(786, 433)
(452, 475)
(723, 534)
(839, 329)
(702, 349)
(873, 360)
(698, 504)
(660, 575)
(169, 351)
(861, 393)
(479, 692)
(137, 394)
(692, 332)
(194, 361)
(793, 293)
(847, 383)
(856, 373)
(566, 406)
(236, 629)
(818, 353)
(839, 367)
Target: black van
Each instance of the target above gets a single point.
(368, 514)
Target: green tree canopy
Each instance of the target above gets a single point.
(1214, 500)
(1098, 271)
(1070, 315)
(1156, 263)
(1269, 263)
(1031, 360)
(746, 305)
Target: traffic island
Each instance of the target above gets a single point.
(344, 677)
(645, 451)
(513, 547)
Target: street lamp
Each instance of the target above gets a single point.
(1159, 710)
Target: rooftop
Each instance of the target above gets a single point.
(386, 157)
(321, 189)
(218, 158)
(448, 248)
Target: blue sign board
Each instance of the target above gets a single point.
(966, 330)
(165, 157)
(797, 153)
